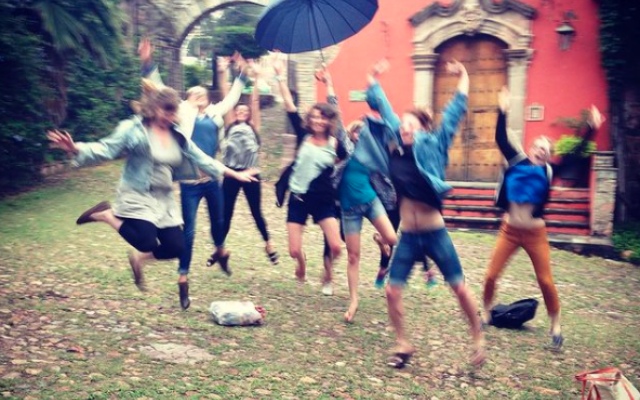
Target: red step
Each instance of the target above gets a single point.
(472, 205)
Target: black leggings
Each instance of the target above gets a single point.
(164, 243)
(252, 191)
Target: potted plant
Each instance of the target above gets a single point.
(575, 151)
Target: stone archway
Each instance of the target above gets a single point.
(509, 21)
(168, 22)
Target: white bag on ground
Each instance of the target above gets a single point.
(606, 384)
(236, 313)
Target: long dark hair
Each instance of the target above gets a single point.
(248, 121)
(329, 112)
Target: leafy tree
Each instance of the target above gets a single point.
(232, 31)
(195, 75)
(68, 28)
(22, 120)
(619, 32)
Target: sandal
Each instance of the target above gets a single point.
(86, 216)
(213, 259)
(557, 341)
(224, 264)
(399, 360)
(273, 256)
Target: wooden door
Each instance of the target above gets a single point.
(474, 156)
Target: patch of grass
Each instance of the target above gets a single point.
(69, 287)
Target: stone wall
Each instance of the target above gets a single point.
(603, 202)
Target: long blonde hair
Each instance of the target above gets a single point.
(155, 97)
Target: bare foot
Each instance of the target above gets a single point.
(479, 355)
(351, 312)
(301, 273)
(136, 268)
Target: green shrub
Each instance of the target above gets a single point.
(195, 75)
(23, 143)
(567, 144)
(626, 237)
(98, 97)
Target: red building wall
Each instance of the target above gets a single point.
(564, 82)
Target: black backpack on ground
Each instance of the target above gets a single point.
(512, 316)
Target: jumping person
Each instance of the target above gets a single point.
(357, 197)
(202, 122)
(417, 172)
(145, 213)
(523, 194)
(310, 183)
(241, 147)
(385, 253)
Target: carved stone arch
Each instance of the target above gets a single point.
(508, 21)
(192, 12)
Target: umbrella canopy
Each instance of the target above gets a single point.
(296, 26)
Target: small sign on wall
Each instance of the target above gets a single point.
(534, 112)
(358, 95)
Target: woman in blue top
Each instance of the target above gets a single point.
(359, 200)
(145, 213)
(417, 172)
(523, 193)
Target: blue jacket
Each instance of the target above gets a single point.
(431, 149)
(131, 136)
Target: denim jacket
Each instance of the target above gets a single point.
(131, 136)
(431, 149)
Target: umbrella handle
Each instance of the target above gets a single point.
(315, 25)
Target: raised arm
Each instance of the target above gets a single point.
(596, 119)
(148, 69)
(502, 139)
(255, 96)
(222, 65)
(231, 98)
(377, 99)
(345, 146)
(456, 108)
(279, 67)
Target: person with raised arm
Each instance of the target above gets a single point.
(522, 194)
(417, 170)
(202, 122)
(356, 194)
(310, 180)
(145, 212)
(241, 153)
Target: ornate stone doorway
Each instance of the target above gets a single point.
(479, 27)
(474, 155)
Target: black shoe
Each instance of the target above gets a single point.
(184, 295)
(224, 264)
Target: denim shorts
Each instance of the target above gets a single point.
(352, 218)
(299, 209)
(412, 248)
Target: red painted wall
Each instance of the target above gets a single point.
(563, 82)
